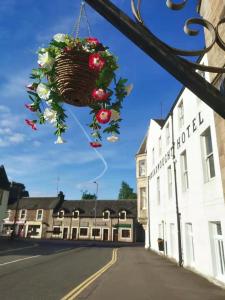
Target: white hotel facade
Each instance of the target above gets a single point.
(185, 176)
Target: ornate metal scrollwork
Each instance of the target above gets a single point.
(213, 31)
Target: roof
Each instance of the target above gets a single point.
(142, 149)
(86, 207)
(36, 203)
(4, 182)
(160, 122)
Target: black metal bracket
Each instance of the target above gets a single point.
(181, 69)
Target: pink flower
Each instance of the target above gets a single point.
(30, 107)
(32, 87)
(96, 62)
(31, 123)
(93, 41)
(103, 116)
(95, 144)
(100, 95)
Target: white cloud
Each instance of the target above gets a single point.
(17, 138)
(4, 109)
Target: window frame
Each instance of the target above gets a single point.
(108, 212)
(96, 236)
(78, 214)
(42, 213)
(143, 207)
(61, 211)
(125, 229)
(180, 112)
(122, 212)
(80, 235)
(25, 214)
(168, 137)
(184, 171)
(208, 156)
(142, 168)
(170, 181)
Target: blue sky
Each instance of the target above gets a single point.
(32, 157)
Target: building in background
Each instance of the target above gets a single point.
(4, 195)
(102, 220)
(142, 190)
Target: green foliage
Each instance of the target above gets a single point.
(126, 192)
(88, 196)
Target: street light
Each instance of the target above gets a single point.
(96, 195)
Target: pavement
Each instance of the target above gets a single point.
(143, 275)
(7, 244)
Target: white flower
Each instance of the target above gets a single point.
(49, 102)
(50, 115)
(112, 138)
(129, 88)
(59, 37)
(45, 60)
(60, 140)
(95, 134)
(43, 91)
(115, 116)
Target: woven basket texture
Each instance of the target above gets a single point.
(75, 80)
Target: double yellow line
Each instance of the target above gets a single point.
(77, 290)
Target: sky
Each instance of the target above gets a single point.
(31, 157)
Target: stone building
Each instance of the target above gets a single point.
(142, 189)
(4, 195)
(96, 220)
(32, 217)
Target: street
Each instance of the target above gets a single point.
(52, 269)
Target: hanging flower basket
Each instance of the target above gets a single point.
(80, 72)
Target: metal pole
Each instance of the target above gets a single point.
(160, 52)
(96, 195)
(16, 211)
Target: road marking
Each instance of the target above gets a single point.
(77, 290)
(61, 250)
(16, 249)
(13, 261)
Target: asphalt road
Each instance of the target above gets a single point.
(48, 270)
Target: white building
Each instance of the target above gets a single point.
(4, 195)
(186, 196)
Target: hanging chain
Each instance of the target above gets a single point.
(82, 13)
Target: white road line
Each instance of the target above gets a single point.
(61, 250)
(17, 249)
(13, 261)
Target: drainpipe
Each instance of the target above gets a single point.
(148, 217)
(178, 214)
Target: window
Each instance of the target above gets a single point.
(96, 232)
(22, 214)
(122, 215)
(76, 214)
(142, 168)
(1, 196)
(167, 134)
(61, 214)
(143, 198)
(160, 231)
(208, 155)
(56, 230)
(153, 156)
(126, 233)
(190, 254)
(184, 171)
(170, 184)
(106, 215)
(181, 114)
(84, 231)
(218, 249)
(160, 145)
(158, 190)
(39, 215)
(7, 214)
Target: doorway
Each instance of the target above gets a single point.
(65, 233)
(105, 234)
(115, 235)
(74, 233)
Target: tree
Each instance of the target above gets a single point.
(88, 196)
(17, 190)
(126, 192)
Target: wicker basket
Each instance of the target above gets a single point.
(75, 80)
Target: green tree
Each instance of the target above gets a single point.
(126, 192)
(88, 196)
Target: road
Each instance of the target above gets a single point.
(62, 270)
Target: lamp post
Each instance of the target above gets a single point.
(96, 195)
(16, 211)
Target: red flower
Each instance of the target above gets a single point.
(31, 123)
(103, 116)
(93, 41)
(96, 62)
(95, 144)
(30, 107)
(100, 95)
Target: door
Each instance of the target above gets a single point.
(65, 233)
(115, 235)
(105, 234)
(74, 233)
